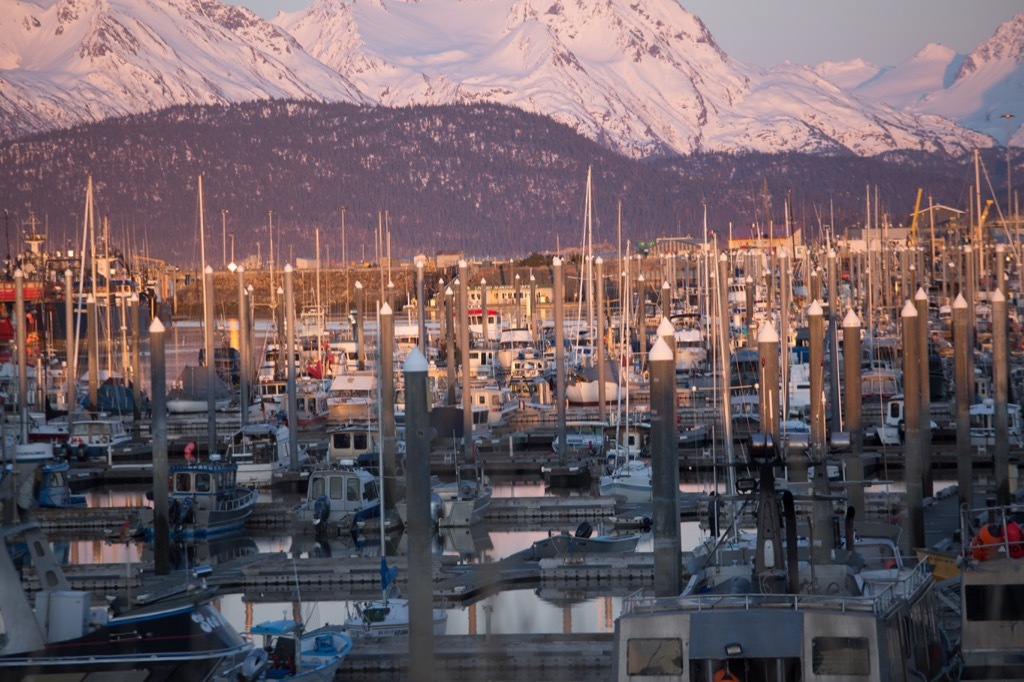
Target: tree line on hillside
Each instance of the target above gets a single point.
(485, 179)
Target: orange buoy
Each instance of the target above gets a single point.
(986, 541)
(724, 675)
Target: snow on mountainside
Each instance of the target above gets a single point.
(641, 77)
(70, 61)
(974, 90)
(988, 84)
(908, 83)
(847, 75)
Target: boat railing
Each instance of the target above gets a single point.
(879, 603)
(237, 502)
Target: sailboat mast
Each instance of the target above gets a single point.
(320, 321)
(273, 291)
(723, 344)
(589, 246)
(106, 292)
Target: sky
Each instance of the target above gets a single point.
(768, 32)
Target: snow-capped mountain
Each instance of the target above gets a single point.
(65, 62)
(642, 78)
(975, 90)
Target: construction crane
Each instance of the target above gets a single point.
(912, 237)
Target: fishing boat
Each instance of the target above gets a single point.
(982, 420)
(310, 399)
(63, 636)
(260, 451)
(204, 500)
(95, 438)
(781, 607)
(338, 500)
(54, 489)
(498, 400)
(286, 652)
(350, 441)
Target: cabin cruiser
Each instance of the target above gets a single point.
(352, 395)
(512, 344)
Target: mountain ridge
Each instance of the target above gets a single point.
(645, 80)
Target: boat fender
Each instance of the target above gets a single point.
(254, 663)
(1015, 538)
(724, 675)
(985, 541)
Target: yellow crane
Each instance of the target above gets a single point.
(912, 237)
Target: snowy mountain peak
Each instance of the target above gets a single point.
(1006, 45)
(935, 52)
(642, 78)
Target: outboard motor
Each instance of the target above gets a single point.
(321, 510)
(584, 530)
(183, 512)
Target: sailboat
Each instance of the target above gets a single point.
(630, 476)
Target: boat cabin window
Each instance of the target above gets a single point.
(370, 491)
(183, 482)
(994, 602)
(336, 484)
(654, 656)
(876, 555)
(202, 483)
(353, 490)
(841, 656)
(349, 441)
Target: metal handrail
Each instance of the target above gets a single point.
(905, 585)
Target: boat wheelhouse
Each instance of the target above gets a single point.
(204, 500)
